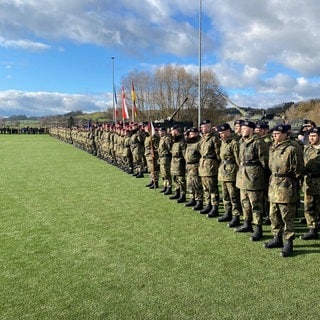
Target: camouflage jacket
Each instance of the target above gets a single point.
(210, 155)
(229, 155)
(149, 149)
(253, 156)
(165, 145)
(137, 142)
(178, 164)
(192, 156)
(311, 185)
(286, 166)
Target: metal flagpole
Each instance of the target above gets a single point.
(113, 93)
(199, 57)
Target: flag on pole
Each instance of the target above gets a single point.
(133, 97)
(125, 114)
(115, 102)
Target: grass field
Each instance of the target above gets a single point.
(80, 239)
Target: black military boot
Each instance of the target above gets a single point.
(168, 191)
(246, 227)
(182, 198)
(176, 195)
(235, 222)
(226, 217)
(276, 242)
(155, 185)
(163, 190)
(191, 203)
(312, 234)
(214, 212)
(140, 175)
(287, 249)
(198, 206)
(149, 184)
(206, 209)
(257, 233)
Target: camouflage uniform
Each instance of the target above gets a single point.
(208, 167)
(192, 157)
(151, 155)
(251, 179)
(178, 166)
(286, 165)
(164, 152)
(311, 185)
(229, 154)
(137, 149)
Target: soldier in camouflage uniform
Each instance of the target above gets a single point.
(311, 185)
(151, 145)
(178, 164)
(192, 157)
(251, 179)
(164, 152)
(228, 168)
(208, 168)
(286, 165)
(137, 149)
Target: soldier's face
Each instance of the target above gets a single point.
(246, 131)
(278, 136)
(206, 128)
(225, 134)
(237, 128)
(314, 138)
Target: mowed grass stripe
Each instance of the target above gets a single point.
(81, 239)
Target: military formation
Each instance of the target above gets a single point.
(257, 173)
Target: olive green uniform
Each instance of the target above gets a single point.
(164, 153)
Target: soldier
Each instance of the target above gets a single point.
(151, 144)
(286, 165)
(262, 130)
(237, 127)
(178, 164)
(229, 165)
(208, 168)
(311, 185)
(192, 157)
(251, 179)
(164, 153)
(137, 149)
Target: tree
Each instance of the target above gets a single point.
(160, 93)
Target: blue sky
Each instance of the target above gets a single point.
(56, 54)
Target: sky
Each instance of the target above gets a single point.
(56, 55)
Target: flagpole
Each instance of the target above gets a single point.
(113, 93)
(200, 53)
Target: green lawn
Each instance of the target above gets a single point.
(81, 239)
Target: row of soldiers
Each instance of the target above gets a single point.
(261, 172)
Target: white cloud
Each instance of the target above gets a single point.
(49, 103)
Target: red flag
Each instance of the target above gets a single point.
(125, 114)
(133, 97)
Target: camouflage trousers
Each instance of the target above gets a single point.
(311, 209)
(210, 190)
(137, 158)
(252, 204)
(282, 219)
(231, 198)
(165, 171)
(180, 183)
(153, 168)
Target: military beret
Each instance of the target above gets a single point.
(176, 127)
(249, 124)
(223, 127)
(239, 121)
(162, 129)
(193, 129)
(314, 130)
(262, 125)
(281, 128)
(205, 121)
